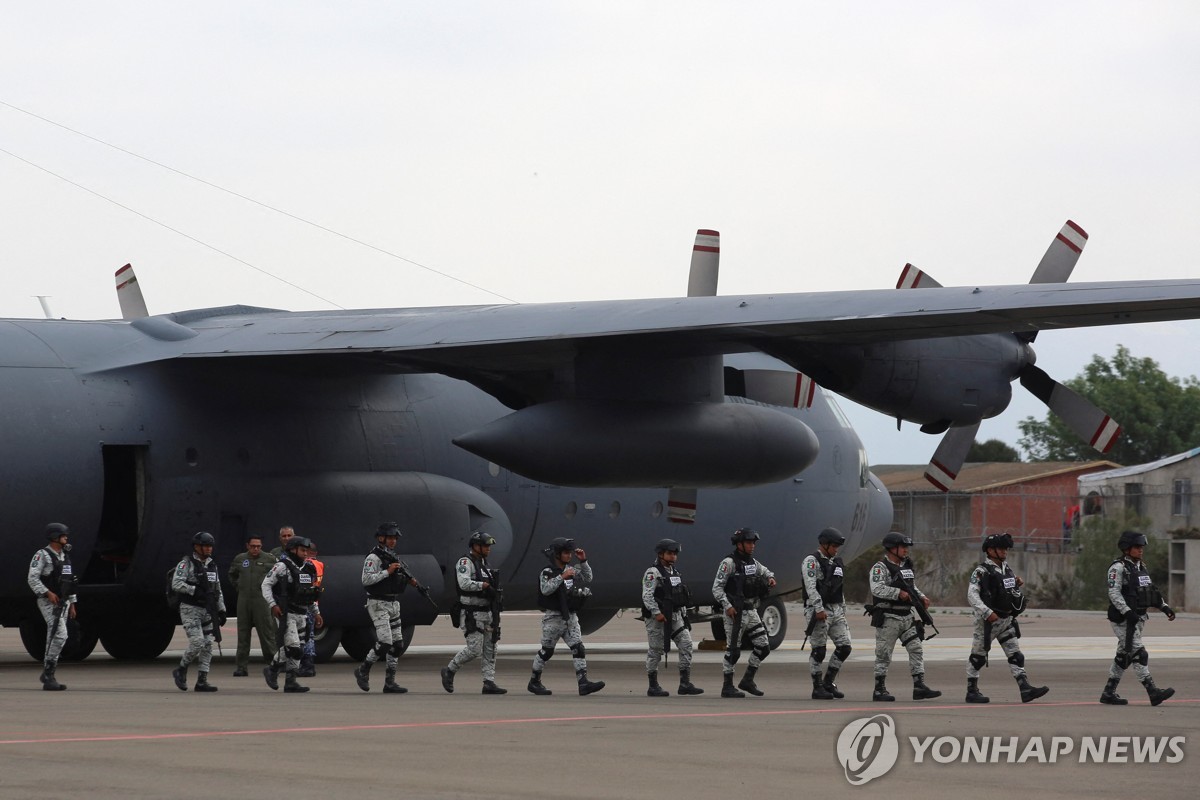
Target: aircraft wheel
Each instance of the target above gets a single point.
(138, 639)
(81, 641)
(358, 641)
(327, 640)
(774, 617)
(718, 628)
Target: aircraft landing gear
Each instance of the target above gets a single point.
(774, 617)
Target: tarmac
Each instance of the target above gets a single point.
(122, 730)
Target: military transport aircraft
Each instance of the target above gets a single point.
(593, 420)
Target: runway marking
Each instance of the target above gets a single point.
(143, 737)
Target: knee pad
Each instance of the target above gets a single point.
(578, 650)
(842, 652)
(909, 635)
(382, 649)
(545, 654)
(293, 652)
(756, 631)
(1017, 658)
(762, 652)
(1141, 657)
(977, 661)
(1121, 660)
(397, 648)
(1008, 634)
(818, 654)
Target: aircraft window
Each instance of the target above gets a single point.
(837, 410)
(572, 509)
(191, 456)
(614, 510)
(864, 469)
(657, 509)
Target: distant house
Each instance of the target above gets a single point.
(1036, 503)
(1160, 491)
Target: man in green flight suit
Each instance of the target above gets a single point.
(246, 573)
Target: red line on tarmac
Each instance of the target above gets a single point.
(875, 708)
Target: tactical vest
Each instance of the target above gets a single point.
(999, 590)
(483, 574)
(567, 599)
(61, 579)
(829, 582)
(205, 577)
(1137, 588)
(903, 577)
(301, 591)
(747, 580)
(671, 593)
(390, 587)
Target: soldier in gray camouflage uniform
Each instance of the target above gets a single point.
(384, 579)
(561, 594)
(52, 579)
(894, 590)
(1131, 593)
(665, 594)
(291, 589)
(479, 614)
(995, 594)
(199, 589)
(825, 610)
(741, 584)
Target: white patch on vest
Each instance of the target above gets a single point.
(212, 577)
(569, 582)
(1010, 583)
(1143, 580)
(676, 580)
(305, 577)
(837, 571)
(907, 574)
(752, 569)
(66, 569)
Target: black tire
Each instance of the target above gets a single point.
(79, 645)
(81, 641)
(138, 639)
(327, 640)
(358, 641)
(774, 617)
(718, 628)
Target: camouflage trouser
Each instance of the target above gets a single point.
(904, 629)
(554, 627)
(1131, 659)
(755, 631)
(56, 637)
(834, 627)
(681, 636)
(294, 633)
(198, 626)
(1003, 633)
(385, 616)
(479, 643)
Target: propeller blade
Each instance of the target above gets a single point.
(949, 457)
(913, 278)
(1060, 259)
(779, 388)
(706, 263)
(1077, 412)
(129, 294)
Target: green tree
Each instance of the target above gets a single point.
(992, 450)
(1159, 415)
(1098, 548)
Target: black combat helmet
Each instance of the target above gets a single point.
(1000, 541)
(296, 542)
(56, 530)
(560, 544)
(667, 546)
(744, 535)
(388, 529)
(894, 539)
(482, 539)
(1131, 539)
(831, 536)
(204, 538)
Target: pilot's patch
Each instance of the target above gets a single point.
(246, 563)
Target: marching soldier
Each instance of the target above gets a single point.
(741, 584)
(246, 574)
(995, 594)
(291, 588)
(894, 589)
(52, 579)
(201, 609)
(384, 579)
(665, 600)
(480, 599)
(1131, 593)
(825, 609)
(562, 593)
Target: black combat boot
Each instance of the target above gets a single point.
(921, 691)
(389, 684)
(819, 692)
(1157, 695)
(271, 674)
(830, 686)
(881, 693)
(1110, 697)
(240, 672)
(973, 693)
(49, 682)
(180, 676)
(291, 685)
(490, 687)
(1028, 692)
(747, 682)
(727, 689)
(448, 679)
(587, 687)
(202, 684)
(655, 690)
(535, 684)
(362, 675)
(685, 683)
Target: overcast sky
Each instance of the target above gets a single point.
(565, 151)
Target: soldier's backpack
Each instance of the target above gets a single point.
(172, 595)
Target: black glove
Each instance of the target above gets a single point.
(1132, 615)
(222, 618)
(1170, 612)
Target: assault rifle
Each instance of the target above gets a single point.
(496, 603)
(210, 605)
(406, 573)
(923, 615)
(812, 625)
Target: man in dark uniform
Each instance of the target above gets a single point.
(52, 579)
(1131, 594)
(246, 574)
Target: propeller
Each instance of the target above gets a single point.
(1086, 420)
